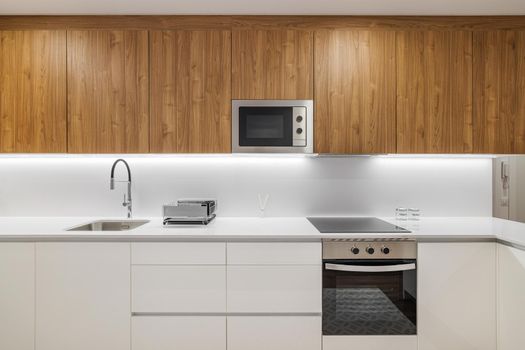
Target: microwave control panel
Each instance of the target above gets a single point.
(299, 126)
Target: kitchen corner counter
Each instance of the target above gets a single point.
(427, 229)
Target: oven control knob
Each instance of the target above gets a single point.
(385, 250)
(354, 250)
(370, 250)
(299, 131)
(299, 118)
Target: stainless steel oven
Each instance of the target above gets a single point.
(272, 126)
(369, 288)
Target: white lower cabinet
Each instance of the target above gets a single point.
(272, 253)
(274, 332)
(511, 298)
(390, 342)
(17, 296)
(77, 296)
(266, 296)
(274, 289)
(178, 253)
(176, 289)
(179, 332)
(83, 296)
(456, 296)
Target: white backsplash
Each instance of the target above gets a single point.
(297, 186)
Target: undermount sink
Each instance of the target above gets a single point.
(109, 225)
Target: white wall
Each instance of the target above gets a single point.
(298, 186)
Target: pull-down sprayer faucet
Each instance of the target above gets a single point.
(126, 202)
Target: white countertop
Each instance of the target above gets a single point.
(275, 229)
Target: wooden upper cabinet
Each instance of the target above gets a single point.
(499, 92)
(272, 64)
(107, 79)
(355, 94)
(33, 91)
(190, 91)
(434, 92)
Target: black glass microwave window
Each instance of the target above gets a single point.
(269, 126)
(265, 126)
(361, 303)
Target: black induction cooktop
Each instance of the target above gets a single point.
(354, 225)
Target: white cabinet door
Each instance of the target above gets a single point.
(83, 296)
(511, 298)
(179, 332)
(274, 332)
(274, 289)
(281, 253)
(176, 289)
(17, 296)
(178, 253)
(456, 296)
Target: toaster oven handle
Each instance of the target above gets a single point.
(370, 268)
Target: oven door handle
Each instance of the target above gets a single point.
(361, 268)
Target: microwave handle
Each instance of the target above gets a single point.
(361, 268)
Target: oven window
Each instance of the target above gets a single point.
(369, 303)
(265, 126)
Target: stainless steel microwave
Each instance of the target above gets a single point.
(272, 126)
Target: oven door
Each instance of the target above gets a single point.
(369, 297)
(261, 126)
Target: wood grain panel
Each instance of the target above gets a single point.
(116, 22)
(108, 91)
(272, 64)
(199, 22)
(499, 90)
(355, 92)
(381, 23)
(32, 91)
(191, 91)
(434, 92)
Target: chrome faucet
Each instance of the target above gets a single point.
(126, 202)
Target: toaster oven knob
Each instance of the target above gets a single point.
(299, 131)
(385, 250)
(354, 250)
(299, 118)
(370, 250)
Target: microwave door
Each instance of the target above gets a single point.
(265, 127)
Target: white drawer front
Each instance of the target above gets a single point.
(183, 253)
(178, 289)
(274, 332)
(390, 342)
(284, 253)
(178, 332)
(274, 289)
